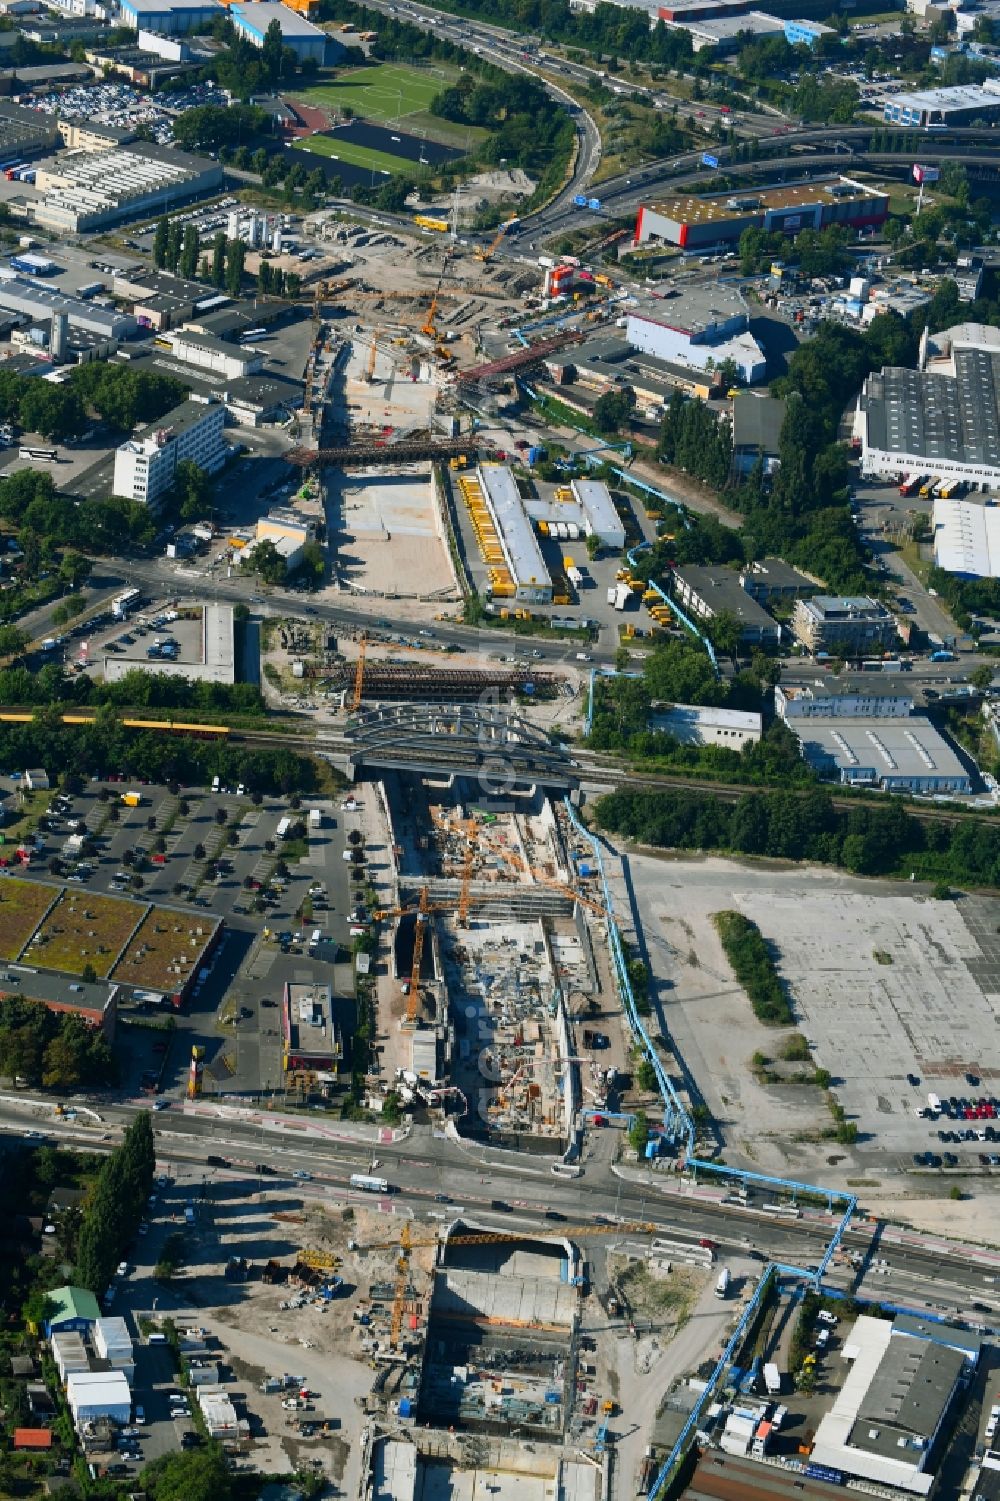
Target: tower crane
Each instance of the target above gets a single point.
(359, 672)
(429, 327)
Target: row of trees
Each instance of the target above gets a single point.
(91, 749)
(112, 393)
(48, 1048)
(871, 839)
(136, 689)
(112, 1215)
(754, 968)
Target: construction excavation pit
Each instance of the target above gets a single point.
(495, 953)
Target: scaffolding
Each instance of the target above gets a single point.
(369, 453)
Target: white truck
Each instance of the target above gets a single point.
(315, 818)
(623, 594)
(772, 1379)
(722, 1285)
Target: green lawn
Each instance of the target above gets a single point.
(358, 156)
(389, 91)
(398, 93)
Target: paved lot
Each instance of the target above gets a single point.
(885, 983)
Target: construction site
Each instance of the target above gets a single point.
(498, 963)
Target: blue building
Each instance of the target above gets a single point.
(252, 19)
(168, 17)
(807, 33)
(74, 1309)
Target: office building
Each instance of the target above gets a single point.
(709, 592)
(90, 135)
(601, 518)
(252, 18)
(145, 465)
(967, 537)
(208, 353)
(941, 421)
(772, 580)
(704, 329)
(902, 1383)
(706, 223)
(964, 104)
(694, 724)
(168, 16)
(95, 189)
(851, 626)
(515, 533)
(895, 755)
(830, 703)
(310, 1032)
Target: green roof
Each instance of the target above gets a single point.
(73, 1303)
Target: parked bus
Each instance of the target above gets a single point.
(911, 484)
(369, 1185)
(39, 455)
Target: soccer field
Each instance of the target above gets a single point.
(390, 91)
(357, 156)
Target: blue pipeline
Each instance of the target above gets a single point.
(675, 608)
(680, 1129)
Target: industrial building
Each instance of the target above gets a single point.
(219, 1414)
(695, 724)
(145, 464)
(168, 16)
(967, 537)
(208, 353)
(515, 534)
(964, 104)
(42, 303)
(98, 1394)
(207, 655)
(806, 33)
(290, 530)
(896, 755)
(942, 420)
(95, 190)
(113, 1343)
(705, 223)
(706, 328)
(600, 516)
(311, 1037)
(723, 33)
(253, 400)
(709, 592)
(843, 626)
(73, 1310)
(757, 423)
(828, 703)
(25, 133)
(903, 1381)
(252, 18)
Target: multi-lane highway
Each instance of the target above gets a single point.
(439, 1178)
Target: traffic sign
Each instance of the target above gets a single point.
(580, 201)
(594, 204)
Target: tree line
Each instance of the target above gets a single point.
(57, 1050)
(134, 690)
(116, 1206)
(106, 744)
(873, 839)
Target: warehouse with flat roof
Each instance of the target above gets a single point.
(205, 352)
(967, 537)
(601, 518)
(39, 304)
(311, 1037)
(96, 189)
(168, 17)
(942, 423)
(523, 556)
(896, 755)
(702, 222)
(252, 18)
(964, 104)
